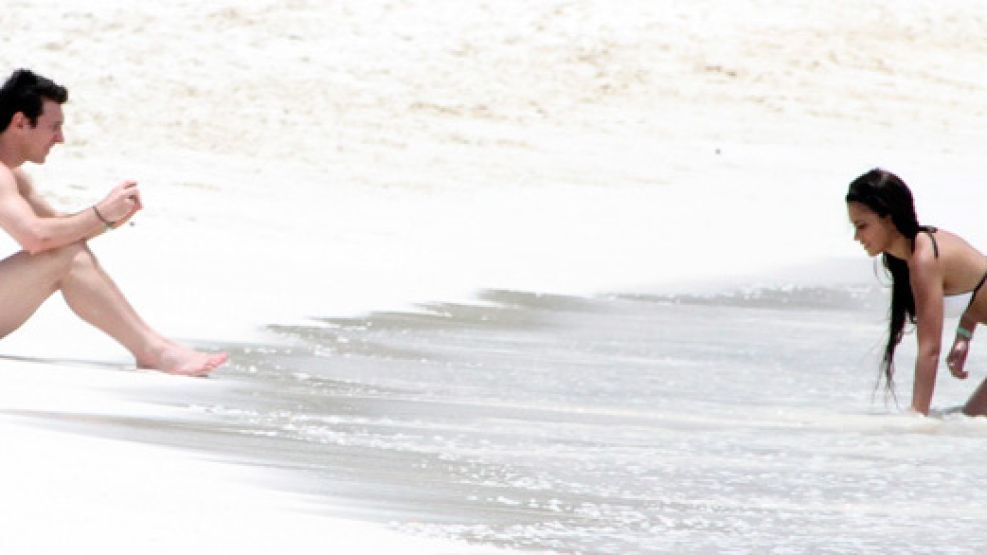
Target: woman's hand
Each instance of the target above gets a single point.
(957, 357)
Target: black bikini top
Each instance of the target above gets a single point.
(929, 230)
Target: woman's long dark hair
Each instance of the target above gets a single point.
(887, 195)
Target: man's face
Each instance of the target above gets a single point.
(46, 134)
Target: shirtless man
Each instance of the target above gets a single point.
(55, 256)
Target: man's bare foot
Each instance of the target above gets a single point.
(175, 359)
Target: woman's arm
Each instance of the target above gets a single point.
(926, 280)
(956, 359)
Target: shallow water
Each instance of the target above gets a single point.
(619, 424)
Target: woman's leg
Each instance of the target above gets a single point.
(977, 405)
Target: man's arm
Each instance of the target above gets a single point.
(30, 194)
(44, 210)
(36, 232)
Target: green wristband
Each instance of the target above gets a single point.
(963, 332)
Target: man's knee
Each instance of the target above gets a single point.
(67, 255)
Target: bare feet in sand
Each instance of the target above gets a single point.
(176, 359)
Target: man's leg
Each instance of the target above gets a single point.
(27, 280)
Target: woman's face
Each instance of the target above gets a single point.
(874, 232)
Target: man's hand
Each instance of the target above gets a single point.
(121, 204)
(957, 357)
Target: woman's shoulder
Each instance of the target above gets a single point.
(947, 249)
(949, 241)
(926, 245)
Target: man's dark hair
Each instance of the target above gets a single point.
(24, 91)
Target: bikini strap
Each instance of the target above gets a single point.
(929, 230)
(979, 285)
(973, 294)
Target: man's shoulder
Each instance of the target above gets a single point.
(12, 178)
(10, 174)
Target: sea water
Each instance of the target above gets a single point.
(744, 421)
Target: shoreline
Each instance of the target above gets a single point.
(121, 495)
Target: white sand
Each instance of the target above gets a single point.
(305, 160)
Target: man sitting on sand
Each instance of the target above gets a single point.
(55, 256)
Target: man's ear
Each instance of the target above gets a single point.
(19, 121)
